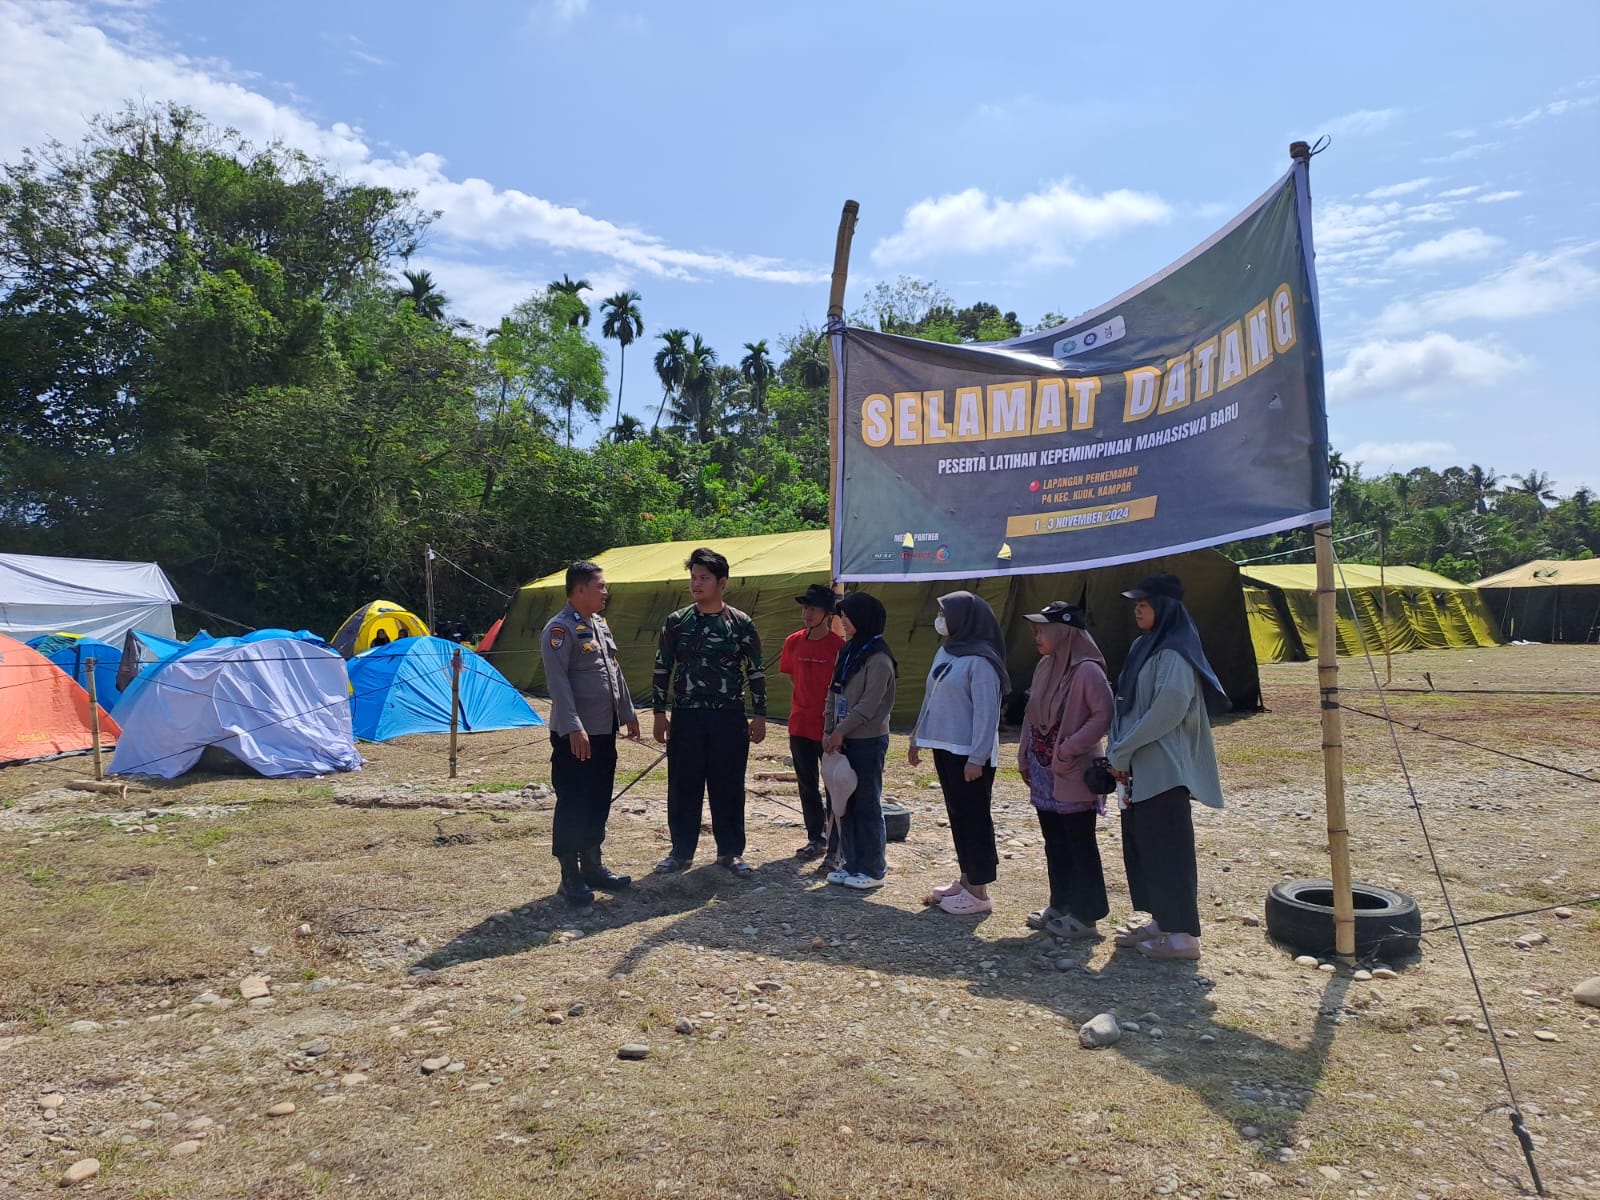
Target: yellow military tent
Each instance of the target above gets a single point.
(1406, 609)
(1547, 600)
(767, 572)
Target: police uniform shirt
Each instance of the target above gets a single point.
(587, 690)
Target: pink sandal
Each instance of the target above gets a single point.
(964, 904)
(938, 894)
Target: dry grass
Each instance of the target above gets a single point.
(895, 1052)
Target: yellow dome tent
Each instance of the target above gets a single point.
(393, 621)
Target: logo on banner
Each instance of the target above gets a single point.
(1091, 339)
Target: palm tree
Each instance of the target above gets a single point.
(623, 322)
(756, 369)
(628, 428)
(1483, 484)
(1536, 484)
(567, 286)
(425, 297)
(671, 362)
(810, 357)
(698, 393)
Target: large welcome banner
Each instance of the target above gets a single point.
(1187, 412)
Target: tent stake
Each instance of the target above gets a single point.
(455, 705)
(94, 717)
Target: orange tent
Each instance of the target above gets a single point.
(43, 711)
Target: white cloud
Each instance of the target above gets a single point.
(1555, 108)
(1399, 189)
(1047, 223)
(1389, 456)
(1466, 152)
(60, 66)
(1456, 193)
(1454, 246)
(1363, 121)
(1496, 197)
(1534, 284)
(1435, 363)
(557, 13)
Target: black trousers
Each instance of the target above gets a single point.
(707, 750)
(583, 793)
(1158, 854)
(1071, 855)
(807, 755)
(971, 822)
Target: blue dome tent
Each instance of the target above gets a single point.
(72, 654)
(404, 687)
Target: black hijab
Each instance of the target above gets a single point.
(868, 616)
(1174, 630)
(975, 630)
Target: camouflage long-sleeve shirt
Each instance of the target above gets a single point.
(707, 659)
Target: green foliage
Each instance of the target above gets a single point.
(1456, 522)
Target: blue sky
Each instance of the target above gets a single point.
(1042, 156)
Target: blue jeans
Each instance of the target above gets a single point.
(861, 836)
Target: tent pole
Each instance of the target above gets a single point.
(1383, 600)
(455, 705)
(1344, 909)
(94, 716)
(841, 270)
(427, 571)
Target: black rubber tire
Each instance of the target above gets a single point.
(1300, 914)
(896, 822)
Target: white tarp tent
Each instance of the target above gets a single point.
(91, 597)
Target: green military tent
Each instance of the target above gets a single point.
(1546, 600)
(767, 572)
(1400, 608)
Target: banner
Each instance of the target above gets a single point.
(1187, 412)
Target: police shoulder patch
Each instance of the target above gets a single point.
(558, 635)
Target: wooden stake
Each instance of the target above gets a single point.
(841, 269)
(94, 717)
(455, 705)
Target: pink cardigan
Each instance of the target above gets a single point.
(1084, 721)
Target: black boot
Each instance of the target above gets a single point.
(572, 885)
(597, 875)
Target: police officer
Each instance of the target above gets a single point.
(706, 654)
(589, 703)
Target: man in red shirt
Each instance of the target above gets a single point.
(808, 657)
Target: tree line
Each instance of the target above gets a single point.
(216, 356)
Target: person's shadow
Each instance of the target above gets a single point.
(1259, 1083)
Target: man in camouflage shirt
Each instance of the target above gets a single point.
(706, 655)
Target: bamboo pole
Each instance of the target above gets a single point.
(455, 705)
(1344, 912)
(1344, 908)
(94, 716)
(841, 271)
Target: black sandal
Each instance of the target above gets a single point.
(737, 865)
(671, 865)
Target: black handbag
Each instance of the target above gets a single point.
(1097, 777)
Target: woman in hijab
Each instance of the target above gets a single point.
(1069, 711)
(856, 723)
(960, 723)
(1161, 749)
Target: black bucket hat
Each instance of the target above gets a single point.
(818, 595)
(1059, 612)
(1153, 586)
